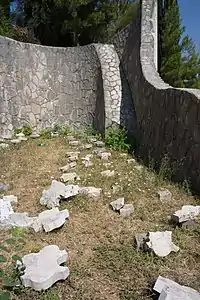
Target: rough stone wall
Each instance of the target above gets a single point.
(43, 86)
(167, 118)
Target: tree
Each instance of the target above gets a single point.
(5, 23)
(73, 22)
(179, 62)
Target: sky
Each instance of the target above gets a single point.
(190, 14)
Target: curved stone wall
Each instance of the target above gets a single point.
(42, 86)
(168, 119)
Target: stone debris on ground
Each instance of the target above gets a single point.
(104, 155)
(15, 141)
(4, 145)
(117, 204)
(74, 143)
(170, 290)
(35, 136)
(70, 138)
(159, 242)
(87, 146)
(67, 167)
(5, 210)
(98, 151)
(50, 220)
(131, 161)
(20, 136)
(87, 160)
(116, 188)
(99, 144)
(108, 173)
(91, 139)
(43, 269)
(164, 195)
(57, 191)
(91, 192)
(186, 213)
(126, 210)
(69, 177)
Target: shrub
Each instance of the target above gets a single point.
(117, 139)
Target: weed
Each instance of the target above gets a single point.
(27, 130)
(186, 185)
(46, 134)
(117, 139)
(64, 130)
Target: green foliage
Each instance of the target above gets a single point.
(116, 138)
(5, 23)
(3, 259)
(5, 295)
(179, 62)
(27, 130)
(46, 134)
(72, 23)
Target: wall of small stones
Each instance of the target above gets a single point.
(43, 86)
(168, 119)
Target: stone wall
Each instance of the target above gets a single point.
(43, 86)
(168, 119)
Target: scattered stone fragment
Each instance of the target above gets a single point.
(99, 144)
(5, 209)
(170, 290)
(20, 136)
(54, 134)
(74, 143)
(98, 151)
(20, 220)
(91, 139)
(67, 167)
(11, 198)
(108, 173)
(164, 195)
(43, 269)
(4, 145)
(127, 210)
(87, 146)
(66, 177)
(51, 197)
(1, 140)
(15, 141)
(107, 165)
(70, 138)
(4, 186)
(116, 188)
(50, 219)
(104, 155)
(73, 158)
(117, 204)
(35, 135)
(91, 192)
(188, 212)
(87, 160)
(158, 242)
(139, 168)
(131, 161)
(123, 154)
(141, 240)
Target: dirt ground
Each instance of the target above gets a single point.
(103, 263)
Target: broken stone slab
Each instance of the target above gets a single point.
(104, 155)
(131, 161)
(11, 198)
(170, 290)
(54, 220)
(91, 192)
(164, 195)
(108, 173)
(20, 136)
(72, 158)
(116, 188)
(67, 167)
(98, 151)
(20, 220)
(188, 224)
(74, 143)
(127, 210)
(57, 191)
(43, 269)
(186, 213)
(34, 136)
(66, 177)
(15, 141)
(99, 144)
(4, 145)
(87, 146)
(5, 209)
(141, 240)
(91, 139)
(117, 204)
(87, 160)
(158, 242)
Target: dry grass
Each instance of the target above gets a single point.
(103, 261)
